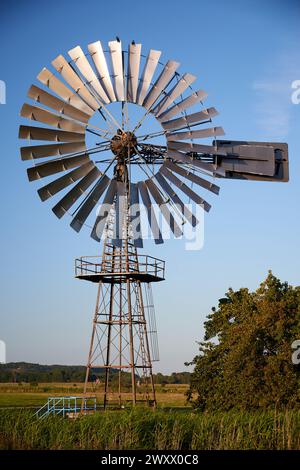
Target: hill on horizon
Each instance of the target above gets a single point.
(44, 373)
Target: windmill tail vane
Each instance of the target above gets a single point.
(123, 138)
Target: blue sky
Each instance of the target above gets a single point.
(245, 55)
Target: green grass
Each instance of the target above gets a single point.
(28, 395)
(146, 429)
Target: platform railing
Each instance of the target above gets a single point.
(87, 265)
(64, 406)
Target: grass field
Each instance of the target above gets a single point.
(174, 425)
(26, 395)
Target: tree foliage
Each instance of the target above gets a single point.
(245, 360)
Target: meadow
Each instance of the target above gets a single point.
(35, 395)
(174, 425)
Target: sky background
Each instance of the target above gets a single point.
(245, 55)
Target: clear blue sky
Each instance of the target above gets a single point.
(245, 55)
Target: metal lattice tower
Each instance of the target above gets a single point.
(124, 336)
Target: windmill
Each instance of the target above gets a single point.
(94, 108)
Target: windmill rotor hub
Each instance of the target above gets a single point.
(123, 144)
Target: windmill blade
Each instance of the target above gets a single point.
(89, 203)
(192, 177)
(135, 216)
(134, 58)
(197, 96)
(83, 65)
(78, 190)
(184, 121)
(41, 96)
(189, 160)
(104, 210)
(115, 48)
(161, 83)
(184, 188)
(97, 54)
(197, 134)
(61, 183)
(150, 212)
(62, 66)
(41, 133)
(55, 166)
(175, 198)
(42, 151)
(148, 72)
(120, 214)
(168, 216)
(185, 81)
(47, 117)
(50, 81)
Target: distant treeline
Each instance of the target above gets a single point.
(27, 372)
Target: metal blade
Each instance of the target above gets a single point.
(55, 166)
(134, 58)
(104, 210)
(185, 189)
(89, 204)
(42, 151)
(62, 66)
(192, 177)
(198, 134)
(81, 62)
(197, 96)
(150, 213)
(41, 133)
(175, 198)
(135, 216)
(161, 83)
(50, 81)
(184, 82)
(115, 48)
(97, 54)
(184, 121)
(47, 117)
(148, 72)
(72, 196)
(41, 96)
(169, 218)
(61, 183)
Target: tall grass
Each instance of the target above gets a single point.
(146, 429)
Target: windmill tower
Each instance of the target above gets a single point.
(131, 169)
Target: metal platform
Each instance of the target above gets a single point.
(143, 268)
(69, 407)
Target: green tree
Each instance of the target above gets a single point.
(245, 360)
